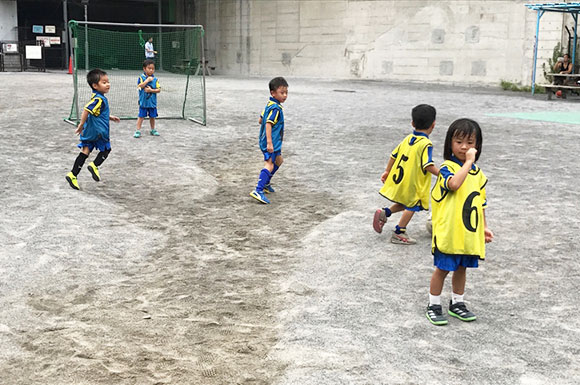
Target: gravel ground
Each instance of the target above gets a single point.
(167, 272)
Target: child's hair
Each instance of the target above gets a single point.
(423, 116)
(277, 83)
(147, 62)
(460, 129)
(94, 76)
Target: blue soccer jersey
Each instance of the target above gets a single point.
(97, 125)
(147, 99)
(274, 114)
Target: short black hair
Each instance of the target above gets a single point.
(146, 62)
(460, 129)
(94, 76)
(423, 116)
(277, 83)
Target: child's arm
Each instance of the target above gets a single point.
(152, 90)
(388, 169)
(432, 169)
(269, 146)
(457, 180)
(145, 82)
(114, 118)
(84, 117)
(488, 232)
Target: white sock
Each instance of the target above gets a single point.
(456, 298)
(434, 299)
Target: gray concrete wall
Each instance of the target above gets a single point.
(471, 42)
(8, 20)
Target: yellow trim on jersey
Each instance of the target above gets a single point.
(275, 120)
(96, 111)
(408, 182)
(458, 221)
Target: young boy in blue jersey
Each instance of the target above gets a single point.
(93, 128)
(148, 90)
(271, 136)
(460, 229)
(408, 185)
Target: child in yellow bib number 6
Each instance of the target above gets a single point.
(460, 230)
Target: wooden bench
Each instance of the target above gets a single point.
(552, 88)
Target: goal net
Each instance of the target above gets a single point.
(119, 50)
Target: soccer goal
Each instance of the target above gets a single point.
(119, 49)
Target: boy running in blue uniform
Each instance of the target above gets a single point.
(148, 90)
(460, 229)
(408, 185)
(271, 136)
(93, 128)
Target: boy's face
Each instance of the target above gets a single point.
(149, 70)
(103, 86)
(280, 94)
(460, 145)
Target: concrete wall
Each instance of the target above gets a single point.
(449, 41)
(8, 20)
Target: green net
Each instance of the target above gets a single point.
(119, 50)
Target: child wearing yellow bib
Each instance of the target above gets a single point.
(460, 229)
(407, 186)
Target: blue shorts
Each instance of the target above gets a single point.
(100, 144)
(452, 262)
(415, 209)
(144, 111)
(271, 155)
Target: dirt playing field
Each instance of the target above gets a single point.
(167, 272)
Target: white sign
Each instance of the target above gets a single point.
(49, 29)
(33, 52)
(10, 48)
(44, 39)
(54, 40)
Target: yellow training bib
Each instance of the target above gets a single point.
(408, 183)
(458, 223)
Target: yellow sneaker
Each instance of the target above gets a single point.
(72, 180)
(94, 170)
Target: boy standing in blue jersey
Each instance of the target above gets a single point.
(93, 128)
(148, 90)
(271, 136)
(408, 185)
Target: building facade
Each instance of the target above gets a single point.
(448, 41)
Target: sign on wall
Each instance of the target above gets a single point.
(33, 52)
(45, 40)
(54, 40)
(50, 29)
(37, 29)
(10, 48)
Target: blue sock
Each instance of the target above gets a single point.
(274, 171)
(400, 230)
(387, 211)
(263, 180)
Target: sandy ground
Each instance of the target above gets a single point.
(167, 272)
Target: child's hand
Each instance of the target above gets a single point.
(488, 235)
(270, 147)
(79, 129)
(384, 176)
(470, 155)
(150, 78)
(114, 118)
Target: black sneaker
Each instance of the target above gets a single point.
(459, 310)
(435, 315)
